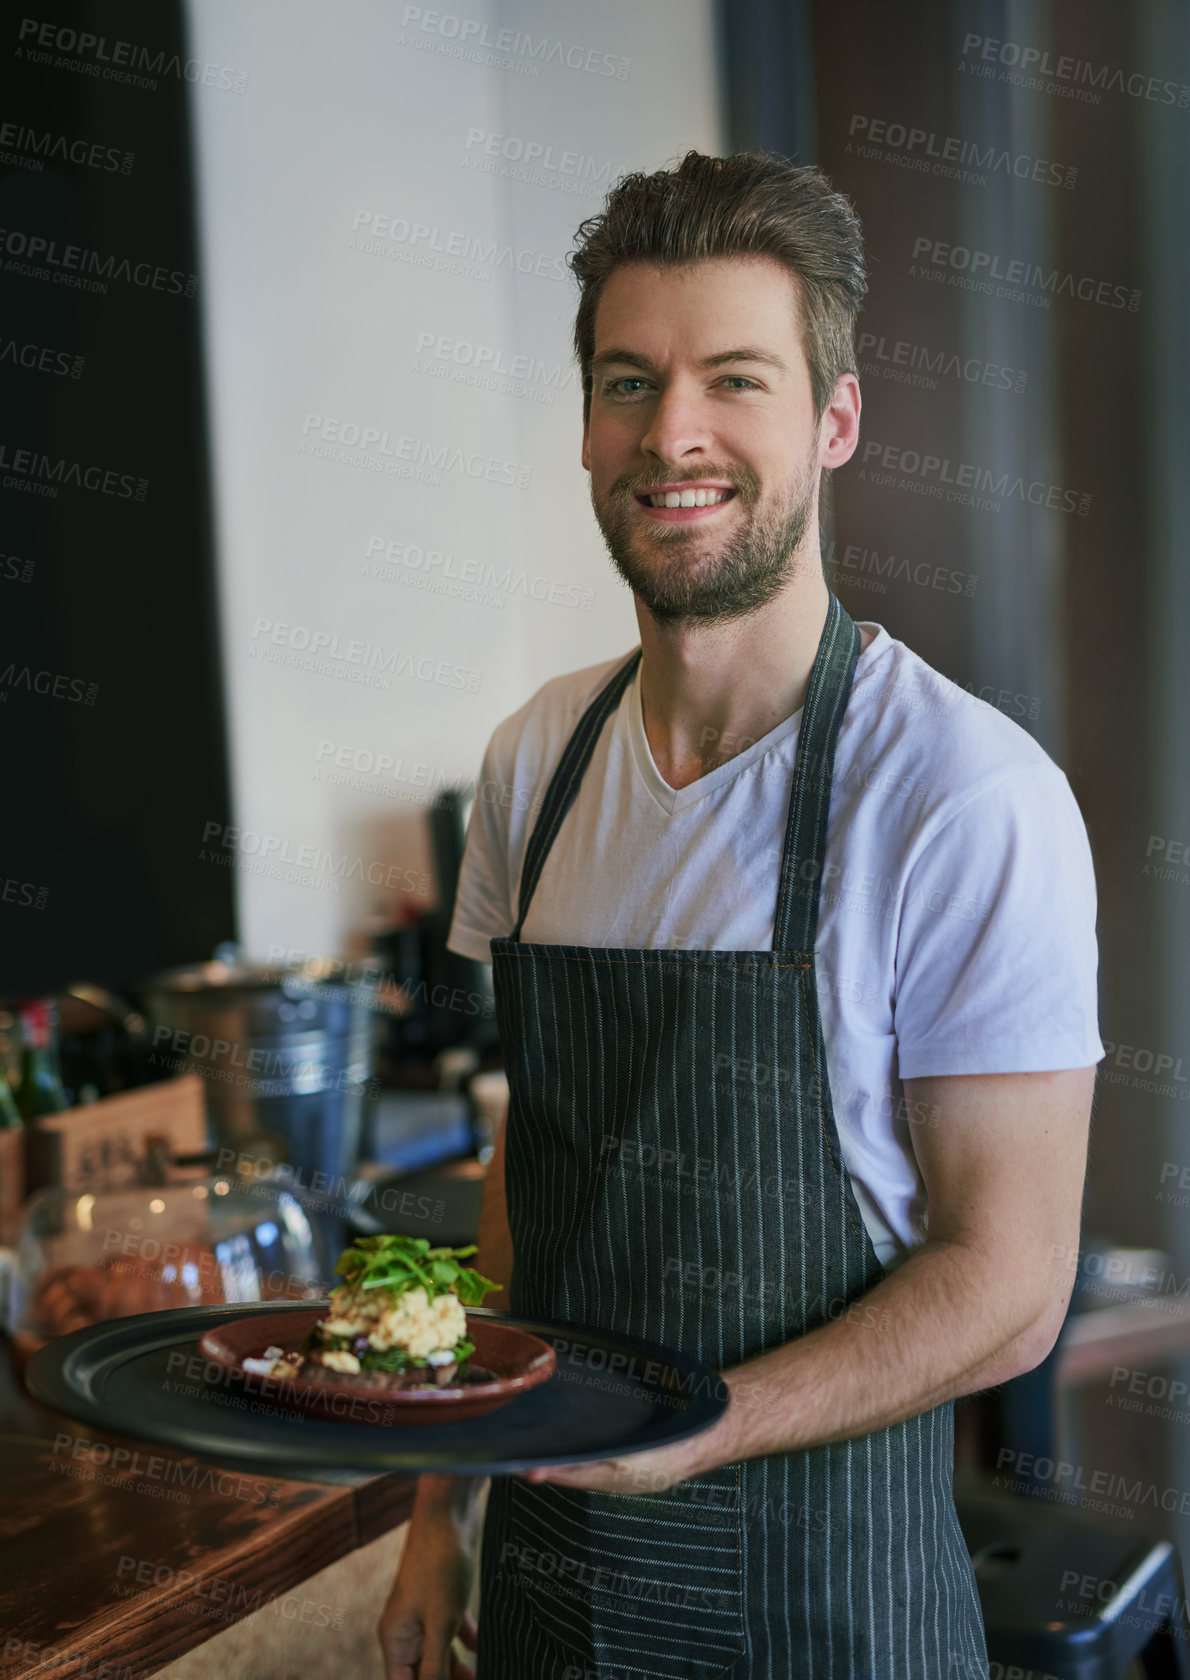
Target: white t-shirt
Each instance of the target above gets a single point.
(957, 917)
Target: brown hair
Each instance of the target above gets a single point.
(747, 204)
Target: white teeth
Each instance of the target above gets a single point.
(688, 498)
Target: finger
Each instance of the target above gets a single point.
(460, 1670)
(468, 1634)
(582, 1476)
(395, 1667)
(555, 1472)
(437, 1664)
(402, 1642)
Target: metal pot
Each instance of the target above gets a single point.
(285, 1053)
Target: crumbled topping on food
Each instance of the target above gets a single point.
(340, 1360)
(422, 1326)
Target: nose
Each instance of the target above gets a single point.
(678, 429)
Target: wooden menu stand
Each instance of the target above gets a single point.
(98, 1145)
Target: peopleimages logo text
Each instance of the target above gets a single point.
(1033, 63)
(399, 233)
(937, 470)
(919, 144)
(120, 59)
(42, 144)
(439, 457)
(48, 253)
(469, 35)
(901, 360)
(987, 265)
(538, 155)
(48, 472)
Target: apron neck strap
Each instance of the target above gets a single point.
(795, 921)
(564, 784)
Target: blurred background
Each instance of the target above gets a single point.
(293, 514)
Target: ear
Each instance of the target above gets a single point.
(586, 453)
(840, 423)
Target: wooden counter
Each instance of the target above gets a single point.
(119, 1556)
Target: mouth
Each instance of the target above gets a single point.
(685, 504)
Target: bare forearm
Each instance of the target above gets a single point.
(942, 1325)
(453, 1498)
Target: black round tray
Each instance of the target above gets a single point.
(145, 1377)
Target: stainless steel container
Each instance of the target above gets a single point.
(285, 1054)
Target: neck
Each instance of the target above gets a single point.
(708, 691)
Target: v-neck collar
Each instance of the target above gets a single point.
(672, 800)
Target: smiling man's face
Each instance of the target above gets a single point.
(700, 392)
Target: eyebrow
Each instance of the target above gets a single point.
(744, 353)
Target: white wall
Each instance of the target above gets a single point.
(353, 112)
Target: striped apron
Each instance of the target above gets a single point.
(673, 1172)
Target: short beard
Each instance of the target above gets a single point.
(752, 566)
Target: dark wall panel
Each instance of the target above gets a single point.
(111, 712)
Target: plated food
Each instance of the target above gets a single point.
(393, 1344)
(399, 1319)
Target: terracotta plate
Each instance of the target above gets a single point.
(515, 1360)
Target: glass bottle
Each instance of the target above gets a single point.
(10, 1065)
(39, 1090)
(10, 1114)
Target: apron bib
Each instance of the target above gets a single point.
(673, 1171)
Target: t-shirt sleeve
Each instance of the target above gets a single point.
(997, 959)
(483, 909)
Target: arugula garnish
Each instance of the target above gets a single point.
(392, 1359)
(400, 1263)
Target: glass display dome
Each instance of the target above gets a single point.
(92, 1256)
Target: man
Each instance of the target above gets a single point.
(792, 905)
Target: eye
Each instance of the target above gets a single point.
(739, 380)
(610, 386)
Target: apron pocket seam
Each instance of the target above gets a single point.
(613, 1647)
